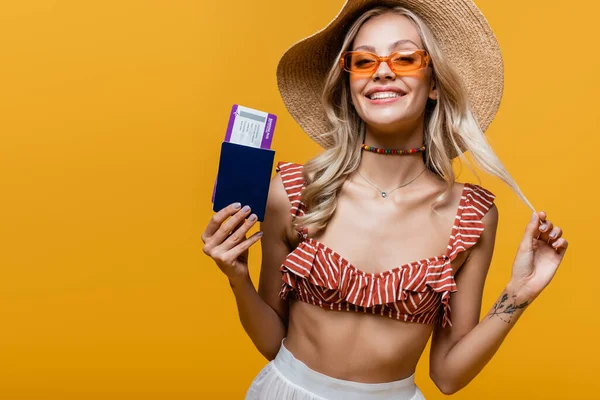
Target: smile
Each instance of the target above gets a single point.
(384, 97)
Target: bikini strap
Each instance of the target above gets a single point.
(475, 202)
(293, 182)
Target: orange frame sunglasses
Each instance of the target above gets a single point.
(396, 61)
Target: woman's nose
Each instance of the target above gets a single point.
(384, 71)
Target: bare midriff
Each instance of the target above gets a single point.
(355, 346)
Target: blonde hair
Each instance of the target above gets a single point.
(449, 126)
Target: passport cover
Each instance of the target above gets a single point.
(244, 175)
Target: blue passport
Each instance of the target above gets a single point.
(244, 176)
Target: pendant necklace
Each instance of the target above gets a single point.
(385, 194)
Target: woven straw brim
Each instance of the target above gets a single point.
(463, 33)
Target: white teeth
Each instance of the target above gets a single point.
(384, 95)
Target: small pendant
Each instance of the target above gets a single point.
(383, 194)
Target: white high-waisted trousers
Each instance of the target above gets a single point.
(287, 378)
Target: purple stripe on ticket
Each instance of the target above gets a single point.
(268, 136)
(231, 121)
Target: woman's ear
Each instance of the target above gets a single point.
(433, 94)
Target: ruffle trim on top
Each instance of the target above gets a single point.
(320, 266)
(475, 203)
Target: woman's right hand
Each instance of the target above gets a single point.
(226, 243)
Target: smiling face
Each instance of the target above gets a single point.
(395, 113)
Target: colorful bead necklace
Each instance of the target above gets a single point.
(392, 151)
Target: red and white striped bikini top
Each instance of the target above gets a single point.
(414, 292)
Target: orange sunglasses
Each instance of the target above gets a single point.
(364, 62)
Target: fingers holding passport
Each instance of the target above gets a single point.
(225, 239)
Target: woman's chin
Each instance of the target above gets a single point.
(385, 115)
(386, 124)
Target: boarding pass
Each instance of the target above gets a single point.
(250, 127)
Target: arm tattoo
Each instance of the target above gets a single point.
(504, 308)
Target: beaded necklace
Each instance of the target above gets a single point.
(392, 151)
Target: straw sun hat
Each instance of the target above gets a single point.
(460, 28)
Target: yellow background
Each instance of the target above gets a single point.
(111, 119)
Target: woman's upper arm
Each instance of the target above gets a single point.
(465, 303)
(275, 246)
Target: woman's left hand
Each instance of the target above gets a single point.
(538, 257)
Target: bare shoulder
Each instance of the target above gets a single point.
(454, 198)
(277, 200)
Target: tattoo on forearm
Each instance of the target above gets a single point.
(505, 307)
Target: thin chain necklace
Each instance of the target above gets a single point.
(385, 194)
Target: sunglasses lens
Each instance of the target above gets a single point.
(360, 62)
(406, 61)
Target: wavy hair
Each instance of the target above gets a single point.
(449, 126)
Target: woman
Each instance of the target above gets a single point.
(340, 329)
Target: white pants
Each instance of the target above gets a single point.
(287, 378)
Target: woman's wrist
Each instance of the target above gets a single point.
(518, 292)
(236, 282)
(511, 304)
